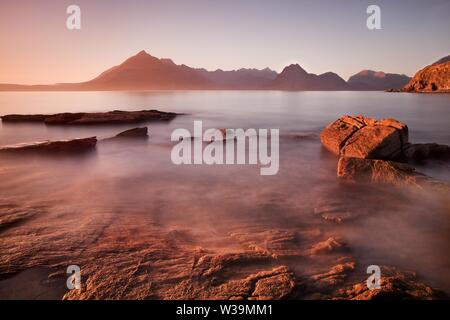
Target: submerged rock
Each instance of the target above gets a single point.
(366, 138)
(368, 170)
(74, 145)
(334, 211)
(342, 203)
(133, 133)
(278, 243)
(326, 246)
(386, 172)
(425, 151)
(111, 117)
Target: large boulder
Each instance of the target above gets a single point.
(75, 145)
(365, 138)
(386, 172)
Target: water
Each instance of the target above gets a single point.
(426, 115)
(89, 193)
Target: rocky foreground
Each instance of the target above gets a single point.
(148, 261)
(126, 250)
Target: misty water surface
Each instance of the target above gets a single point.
(397, 227)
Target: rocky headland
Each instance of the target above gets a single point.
(434, 78)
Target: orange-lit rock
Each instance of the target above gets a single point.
(433, 78)
(366, 138)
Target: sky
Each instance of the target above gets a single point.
(320, 35)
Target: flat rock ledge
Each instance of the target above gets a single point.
(74, 145)
(85, 118)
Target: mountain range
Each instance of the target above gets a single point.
(146, 72)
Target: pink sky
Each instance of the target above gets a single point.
(36, 46)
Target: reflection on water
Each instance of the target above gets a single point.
(385, 226)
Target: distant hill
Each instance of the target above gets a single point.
(146, 72)
(294, 77)
(433, 78)
(372, 80)
(240, 79)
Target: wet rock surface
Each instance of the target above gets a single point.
(344, 203)
(153, 261)
(251, 277)
(62, 146)
(378, 171)
(387, 172)
(86, 118)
